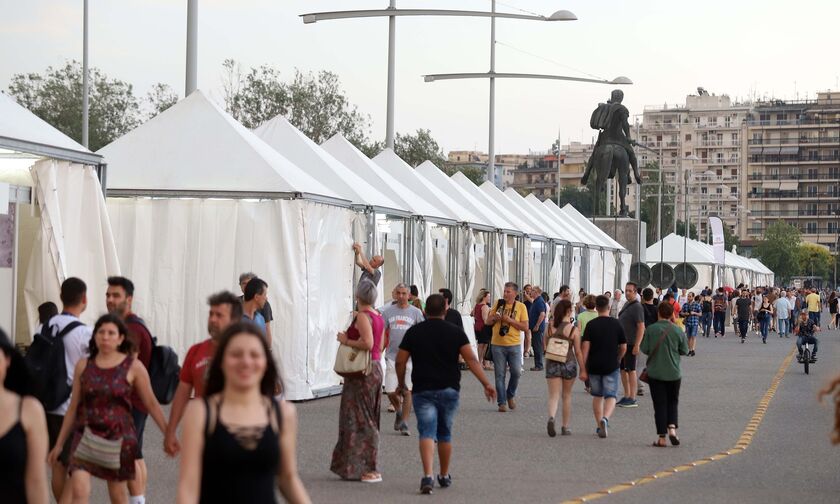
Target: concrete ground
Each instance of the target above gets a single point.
(508, 457)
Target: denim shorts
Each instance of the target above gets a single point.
(435, 411)
(604, 385)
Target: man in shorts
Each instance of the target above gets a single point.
(603, 346)
(632, 320)
(435, 345)
(399, 318)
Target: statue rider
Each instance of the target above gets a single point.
(617, 131)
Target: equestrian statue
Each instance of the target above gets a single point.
(613, 154)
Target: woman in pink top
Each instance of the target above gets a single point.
(355, 456)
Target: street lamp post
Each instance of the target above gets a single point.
(392, 12)
(85, 81)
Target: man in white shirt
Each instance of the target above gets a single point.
(76, 343)
(617, 303)
(783, 309)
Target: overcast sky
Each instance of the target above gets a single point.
(743, 48)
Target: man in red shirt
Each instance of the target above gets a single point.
(118, 299)
(225, 309)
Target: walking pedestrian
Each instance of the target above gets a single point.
(23, 444)
(692, 311)
(253, 302)
(119, 298)
(812, 300)
(356, 453)
(527, 301)
(225, 309)
(453, 316)
(399, 318)
(265, 311)
(583, 319)
(509, 320)
(99, 416)
(743, 309)
(632, 320)
(536, 321)
(561, 370)
(664, 343)
(649, 306)
(757, 299)
(483, 332)
(239, 440)
(783, 313)
(765, 314)
(617, 304)
(719, 304)
(706, 314)
(434, 347)
(414, 297)
(602, 348)
(833, 318)
(76, 339)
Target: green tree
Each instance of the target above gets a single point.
(160, 98)
(815, 260)
(730, 239)
(56, 97)
(780, 249)
(474, 173)
(692, 229)
(650, 204)
(419, 147)
(314, 103)
(579, 197)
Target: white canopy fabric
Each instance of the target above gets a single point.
(507, 206)
(565, 231)
(345, 152)
(583, 233)
(603, 238)
(514, 225)
(672, 246)
(314, 160)
(445, 206)
(196, 146)
(18, 123)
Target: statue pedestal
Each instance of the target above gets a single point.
(625, 230)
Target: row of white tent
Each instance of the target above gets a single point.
(194, 198)
(733, 271)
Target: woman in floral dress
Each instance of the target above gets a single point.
(99, 417)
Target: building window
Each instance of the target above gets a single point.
(811, 228)
(688, 138)
(733, 190)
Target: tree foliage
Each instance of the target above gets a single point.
(419, 147)
(579, 197)
(650, 203)
(474, 173)
(160, 98)
(692, 229)
(314, 103)
(780, 249)
(56, 97)
(815, 260)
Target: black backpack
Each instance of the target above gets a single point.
(46, 362)
(164, 371)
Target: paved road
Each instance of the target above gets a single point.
(509, 458)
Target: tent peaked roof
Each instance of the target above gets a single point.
(196, 146)
(299, 149)
(528, 227)
(447, 185)
(347, 153)
(581, 231)
(23, 131)
(443, 206)
(672, 245)
(564, 231)
(605, 239)
(514, 224)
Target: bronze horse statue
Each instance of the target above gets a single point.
(613, 155)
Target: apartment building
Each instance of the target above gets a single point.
(506, 164)
(793, 168)
(545, 173)
(702, 151)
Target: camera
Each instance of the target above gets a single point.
(504, 330)
(500, 310)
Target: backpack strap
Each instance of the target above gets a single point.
(69, 328)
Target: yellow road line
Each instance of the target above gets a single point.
(743, 442)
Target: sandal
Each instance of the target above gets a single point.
(657, 444)
(675, 441)
(372, 477)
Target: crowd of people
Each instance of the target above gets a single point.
(238, 435)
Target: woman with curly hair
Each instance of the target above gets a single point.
(834, 388)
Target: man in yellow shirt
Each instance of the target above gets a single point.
(509, 319)
(814, 306)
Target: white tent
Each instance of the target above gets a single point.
(53, 223)
(614, 255)
(199, 199)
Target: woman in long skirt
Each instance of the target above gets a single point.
(355, 456)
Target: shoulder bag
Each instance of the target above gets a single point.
(644, 375)
(352, 362)
(99, 451)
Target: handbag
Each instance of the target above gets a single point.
(99, 451)
(352, 362)
(557, 349)
(644, 374)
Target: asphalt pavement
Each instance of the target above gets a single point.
(508, 457)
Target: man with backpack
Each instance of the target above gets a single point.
(72, 338)
(118, 299)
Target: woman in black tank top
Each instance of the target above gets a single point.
(239, 442)
(23, 433)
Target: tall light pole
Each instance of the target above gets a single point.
(192, 47)
(491, 142)
(85, 81)
(392, 13)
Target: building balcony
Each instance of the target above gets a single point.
(661, 126)
(719, 143)
(717, 126)
(807, 195)
(778, 159)
(795, 141)
(795, 176)
(770, 123)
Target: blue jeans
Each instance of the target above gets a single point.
(720, 323)
(782, 326)
(706, 323)
(814, 316)
(800, 340)
(435, 411)
(764, 326)
(691, 331)
(504, 356)
(605, 386)
(537, 346)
